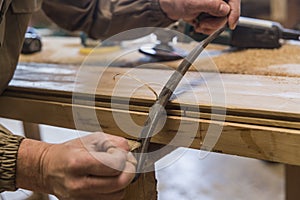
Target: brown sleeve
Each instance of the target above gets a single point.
(13, 26)
(9, 146)
(14, 19)
(104, 18)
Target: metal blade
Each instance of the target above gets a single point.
(158, 107)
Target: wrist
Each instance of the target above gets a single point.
(30, 170)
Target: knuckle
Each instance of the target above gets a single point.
(124, 143)
(72, 187)
(118, 164)
(72, 164)
(211, 5)
(105, 144)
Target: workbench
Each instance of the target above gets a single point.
(254, 116)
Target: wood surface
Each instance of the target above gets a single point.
(284, 61)
(262, 122)
(274, 97)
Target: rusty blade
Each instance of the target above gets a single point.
(158, 108)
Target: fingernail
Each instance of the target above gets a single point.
(224, 8)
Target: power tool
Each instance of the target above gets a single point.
(250, 33)
(32, 42)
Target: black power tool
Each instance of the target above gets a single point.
(251, 33)
(32, 42)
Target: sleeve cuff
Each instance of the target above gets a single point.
(159, 14)
(9, 146)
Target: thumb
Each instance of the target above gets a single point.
(217, 8)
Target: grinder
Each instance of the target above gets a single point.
(164, 50)
(32, 42)
(251, 33)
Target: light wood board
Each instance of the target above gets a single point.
(262, 122)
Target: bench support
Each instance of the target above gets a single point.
(292, 182)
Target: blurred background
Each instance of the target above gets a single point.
(285, 12)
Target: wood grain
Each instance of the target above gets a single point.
(262, 122)
(242, 95)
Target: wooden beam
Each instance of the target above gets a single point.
(261, 120)
(242, 95)
(256, 141)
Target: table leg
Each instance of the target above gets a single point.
(292, 182)
(144, 188)
(32, 130)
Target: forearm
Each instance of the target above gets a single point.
(29, 172)
(104, 18)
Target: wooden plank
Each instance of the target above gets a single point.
(173, 110)
(251, 95)
(262, 122)
(268, 143)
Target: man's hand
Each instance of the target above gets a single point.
(97, 166)
(189, 10)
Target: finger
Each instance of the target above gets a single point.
(235, 12)
(131, 159)
(119, 142)
(96, 195)
(103, 141)
(217, 8)
(96, 142)
(124, 179)
(106, 185)
(209, 25)
(98, 163)
(109, 163)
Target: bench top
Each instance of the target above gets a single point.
(241, 95)
(262, 113)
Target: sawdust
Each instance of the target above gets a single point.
(284, 61)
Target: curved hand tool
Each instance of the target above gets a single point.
(158, 108)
